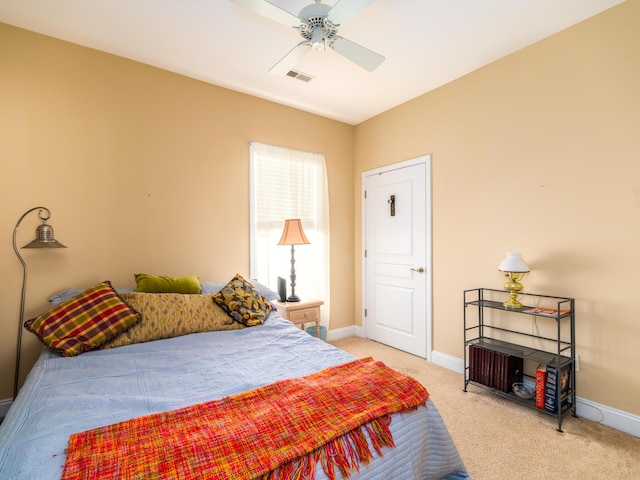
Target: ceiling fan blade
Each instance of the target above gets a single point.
(269, 10)
(367, 59)
(344, 10)
(291, 59)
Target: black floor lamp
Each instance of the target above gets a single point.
(44, 239)
(293, 235)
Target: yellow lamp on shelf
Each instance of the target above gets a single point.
(514, 268)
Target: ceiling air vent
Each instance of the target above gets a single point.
(303, 77)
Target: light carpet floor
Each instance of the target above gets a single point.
(499, 439)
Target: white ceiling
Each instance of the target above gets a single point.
(427, 43)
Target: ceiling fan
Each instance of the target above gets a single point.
(318, 24)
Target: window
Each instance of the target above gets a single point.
(286, 183)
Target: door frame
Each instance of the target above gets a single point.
(426, 160)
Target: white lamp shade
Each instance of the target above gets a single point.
(513, 263)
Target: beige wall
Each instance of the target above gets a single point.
(538, 152)
(144, 171)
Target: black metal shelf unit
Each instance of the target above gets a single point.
(483, 331)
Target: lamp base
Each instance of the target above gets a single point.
(293, 298)
(512, 302)
(513, 286)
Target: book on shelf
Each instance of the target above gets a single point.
(495, 365)
(547, 312)
(494, 369)
(557, 387)
(486, 361)
(513, 370)
(472, 363)
(541, 383)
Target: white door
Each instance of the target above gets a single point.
(397, 267)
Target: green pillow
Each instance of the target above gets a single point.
(161, 284)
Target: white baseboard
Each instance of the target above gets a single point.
(447, 361)
(596, 412)
(353, 331)
(611, 417)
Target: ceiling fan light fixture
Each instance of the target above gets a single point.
(318, 25)
(317, 39)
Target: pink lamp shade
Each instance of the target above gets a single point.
(293, 233)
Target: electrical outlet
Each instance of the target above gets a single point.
(577, 360)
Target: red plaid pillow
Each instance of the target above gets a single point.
(84, 322)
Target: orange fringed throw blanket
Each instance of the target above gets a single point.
(279, 431)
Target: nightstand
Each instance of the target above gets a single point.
(304, 311)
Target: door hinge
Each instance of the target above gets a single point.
(365, 312)
(365, 253)
(365, 194)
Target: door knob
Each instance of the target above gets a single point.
(419, 270)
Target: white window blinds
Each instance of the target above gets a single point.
(284, 184)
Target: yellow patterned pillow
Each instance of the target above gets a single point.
(167, 315)
(243, 302)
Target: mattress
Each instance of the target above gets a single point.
(65, 395)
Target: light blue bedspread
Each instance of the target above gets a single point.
(62, 396)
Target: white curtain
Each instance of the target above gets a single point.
(284, 184)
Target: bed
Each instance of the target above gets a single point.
(64, 395)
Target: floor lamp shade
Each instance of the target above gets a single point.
(293, 234)
(44, 239)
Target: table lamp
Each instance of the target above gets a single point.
(514, 269)
(293, 235)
